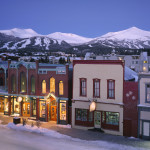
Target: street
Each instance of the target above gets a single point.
(23, 140)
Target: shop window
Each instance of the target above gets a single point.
(111, 89)
(43, 86)
(6, 104)
(52, 85)
(32, 84)
(62, 110)
(34, 107)
(61, 88)
(13, 83)
(147, 93)
(42, 109)
(110, 120)
(16, 106)
(23, 82)
(83, 117)
(96, 88)
(82, 87)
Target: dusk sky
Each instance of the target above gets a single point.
(89, 18)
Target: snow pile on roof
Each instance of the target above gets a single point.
(130, 74)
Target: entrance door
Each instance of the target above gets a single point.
(53, 113)
(97, 119)
(26, 109)
(146, 130)
(1, 105)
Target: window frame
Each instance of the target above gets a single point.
(105, 125)
(94, 81)
(59, 87)
(50, 85)
(23, 73)
(12, 83)
(108, 96)
(87, 122)
(33, 77)
(42, 87)
(83, 87)
(146, 101)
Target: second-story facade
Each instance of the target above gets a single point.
(98, 95)
(144, 105)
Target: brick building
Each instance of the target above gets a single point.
(37, 90)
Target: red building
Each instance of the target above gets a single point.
(130, 111)
(37, 90)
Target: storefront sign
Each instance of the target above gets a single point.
(92, 106)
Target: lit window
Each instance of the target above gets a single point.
(83, 87)
(145, 62)
(96, 88)
(61, 88)
(23, 81)
(52, 85)
(111, 89)
(43, 86)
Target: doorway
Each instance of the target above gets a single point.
(1, 105)
(97, 119)
(53, 113)
(26, 109)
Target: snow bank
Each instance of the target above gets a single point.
(35, 129)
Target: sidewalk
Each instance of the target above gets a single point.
(84, 134)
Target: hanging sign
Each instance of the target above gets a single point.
(92, 106)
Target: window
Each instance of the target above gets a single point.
(62, 110)
(96, 87)
(32, 84)
(81, 114)
(111, 89)
(43, 86)
(61, 88)
(23, 82)
(52, 85)
(13, 83)
(84, 117)
(110, 120)
(1, 81)
(148, 93)
(83, 87)
(145, 62)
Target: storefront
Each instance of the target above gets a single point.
(1, 104)
(53, 109)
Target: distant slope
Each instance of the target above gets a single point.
(69, 38)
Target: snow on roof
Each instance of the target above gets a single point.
(130, 74)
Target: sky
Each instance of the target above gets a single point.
(88, 18)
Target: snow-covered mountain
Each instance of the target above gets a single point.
(69, 38)
(132, 38)
(21, 33)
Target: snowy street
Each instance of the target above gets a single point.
(25, 138)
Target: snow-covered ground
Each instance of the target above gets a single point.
(44, 139)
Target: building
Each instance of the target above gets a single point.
(37, 90)
(134, 62)
(144, 105)
(130, 109)
(98, 95)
